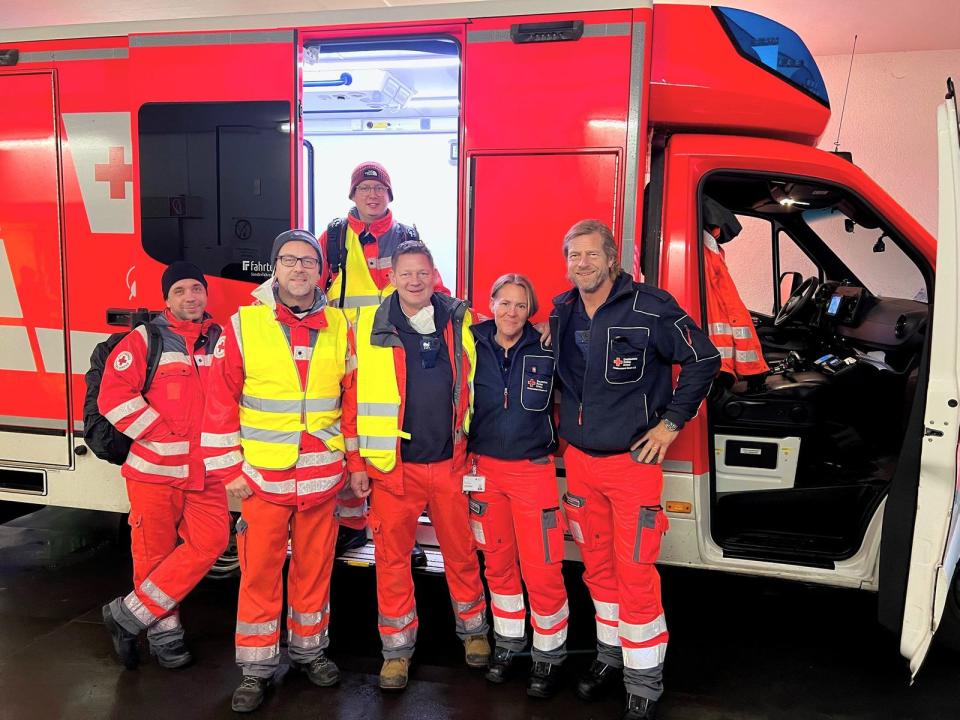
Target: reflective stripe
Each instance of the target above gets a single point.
(270, 436)
(350, 511)
(468, 606)
(123, 409)
(350, 365)
(402, 639)
(307, 641)
(475, 622)
(378, 409)
(278, 488)
(219, 439)
(352, 444)
(644, 631)
(743, 332)
(644, 658)
(747, 356)
(311, 618)
(720, 328)
(166, 624)
(316, 485)
(166, 448)
(397, 622)
(374, 442)
(219, 462)
(726, 352)
(549, 641)
(608, 634)
(507, 603)
(545, 622)
(508, 627)
(302, 352)
(139, 426)
(145, 466)
(380, 263)
(322, 404)
(140, 611)
(608, 611)
(361, 301)
(169, 358)
(319, 458)
(148, 588)
(289, 406)
(327, 434)
(203, 360)
(257, 654)
(263, 628)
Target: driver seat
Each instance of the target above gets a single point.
(787, 399)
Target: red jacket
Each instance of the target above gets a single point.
(164, 425)
(220, 443)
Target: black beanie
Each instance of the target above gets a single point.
(180, 270)
(289, 236)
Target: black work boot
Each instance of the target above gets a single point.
(349, 539)
(501, 664)
(321, 671)
(597, 681)
(249, 695)
(124, 641)
(173, 655)
(418, 558)
(640, 708)
(544, 680)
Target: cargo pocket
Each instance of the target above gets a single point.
(138, 538)
(478, 511)
(626, 354)
(651, 525)
(537, 389)
(574, 507)
(240, 530)
(551, 530)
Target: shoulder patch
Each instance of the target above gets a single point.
(218, 350)
(123, 361)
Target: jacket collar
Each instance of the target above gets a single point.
(622, 285)
(484, 333)
(266, 294)
(184, 327)
(384, 332)
(377, 228)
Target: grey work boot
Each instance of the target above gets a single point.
(124, 641)
(320, 671)
(172, 655)
(249, 695)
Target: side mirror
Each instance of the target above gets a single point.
(788, 285)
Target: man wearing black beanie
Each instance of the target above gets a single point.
(170, 494)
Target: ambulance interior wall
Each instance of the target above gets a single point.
(424, 185)
(890, 127)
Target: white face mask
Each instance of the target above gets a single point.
(423, 322)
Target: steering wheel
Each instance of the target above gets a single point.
(798, 300)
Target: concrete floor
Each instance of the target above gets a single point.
(740, 648)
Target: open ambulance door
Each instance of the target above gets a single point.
(936, 537)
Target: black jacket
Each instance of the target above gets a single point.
(512, 420)
(636, 337)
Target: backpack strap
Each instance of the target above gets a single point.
(335, 249)
(154, 350)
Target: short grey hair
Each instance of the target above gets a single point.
(411, 247)
(589, 227)
(521, 281)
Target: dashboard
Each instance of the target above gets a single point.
(854, 313)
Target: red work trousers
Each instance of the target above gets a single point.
(393, 520)
(614, 514)
(164, 572)
(263, 531)
(517, 523)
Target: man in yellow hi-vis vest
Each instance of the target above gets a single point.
(280, 416)
(414, 393)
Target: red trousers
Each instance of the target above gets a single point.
(517, 523)
(263, 532)
(614, 514)
(164, 572)
(393, 520)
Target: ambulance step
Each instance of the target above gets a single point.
(363, 557)
(790, 548)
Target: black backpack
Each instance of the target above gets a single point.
(104, 439)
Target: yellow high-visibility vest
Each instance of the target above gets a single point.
(274, 407)
(362, 291)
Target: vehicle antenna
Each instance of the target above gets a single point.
(836, 145)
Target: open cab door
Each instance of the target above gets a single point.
(936, 537)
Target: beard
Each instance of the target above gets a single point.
(588, 284)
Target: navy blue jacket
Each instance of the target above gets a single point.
(636, 337)
(512, 420)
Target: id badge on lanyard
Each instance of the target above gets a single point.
(472, 481)
(429, 350)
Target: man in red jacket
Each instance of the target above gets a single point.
(170, 497)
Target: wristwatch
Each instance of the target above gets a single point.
(670, 425)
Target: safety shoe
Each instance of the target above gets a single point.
(477, 651)
(320, 671)
(544, 680)
(639, 708)
(124, 641)
(350, 538)
(172, 655)
(501, 665)
(597, 680)
(418, 558)
(393, 674)
(249, 695)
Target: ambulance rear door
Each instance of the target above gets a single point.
(936, 537)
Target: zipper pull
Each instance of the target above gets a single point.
(580, 415)
(506, 400)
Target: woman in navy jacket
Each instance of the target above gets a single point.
(515, 515)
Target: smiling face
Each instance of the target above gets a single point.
(588, 266)
(413, 276)
(372, 199)
(511, 308)
(187, 299)
(297, 283)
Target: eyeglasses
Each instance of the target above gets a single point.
(291, 261)
(371, 189)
